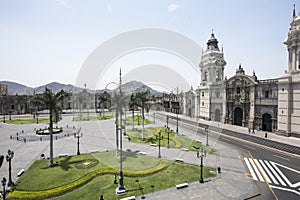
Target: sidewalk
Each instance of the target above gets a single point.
(232, 183)
(270, 136)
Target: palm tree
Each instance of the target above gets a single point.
(103, 99)
(51, 101)
(142, 99)
(132, 103)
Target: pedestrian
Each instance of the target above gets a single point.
(249, 130)
(266, 135)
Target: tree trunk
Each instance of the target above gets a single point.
(51, 138)
(143, 118)
(133, 118)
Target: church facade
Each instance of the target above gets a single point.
(244, 100)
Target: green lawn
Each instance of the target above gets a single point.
(152, 137)
(90, 175)
(27, 121)
(87, 118)
(137, 121)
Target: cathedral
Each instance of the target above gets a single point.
(244, 100)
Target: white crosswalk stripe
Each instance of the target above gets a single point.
(264, 170)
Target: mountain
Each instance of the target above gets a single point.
(56, 87)
(136, 86)
(130, 87)
(17, 88)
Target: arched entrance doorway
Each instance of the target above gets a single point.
(266, 122)
(217, 115)
(238, 116)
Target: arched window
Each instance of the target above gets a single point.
(238, 90)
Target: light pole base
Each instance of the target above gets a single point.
(120, 191)
(201, 181)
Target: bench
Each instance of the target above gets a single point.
(184, 149)
(129, 198)
(63, 155)
(142, 153)
(178, 160)
(182, 185)
(199, 141)
(21, 172)
(153, 145)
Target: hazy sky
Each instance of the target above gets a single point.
(50, 40)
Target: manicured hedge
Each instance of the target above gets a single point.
(82, 181)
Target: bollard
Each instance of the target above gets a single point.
(11, 137)
(17, 138)
(219, 170)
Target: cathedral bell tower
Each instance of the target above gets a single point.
(293, 45)
(288, 116)
(211, 91)
(212, 63)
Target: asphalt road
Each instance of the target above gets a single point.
(280, 171)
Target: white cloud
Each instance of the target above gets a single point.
(64, 3)
(173, 7)
(109, 8)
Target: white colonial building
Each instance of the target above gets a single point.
(243, 100)
(289, 84)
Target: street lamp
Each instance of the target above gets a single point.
(77, 135)
(159, 138)
(207, 131)
(167, 121)
(177, 110)
(168, 131)
(9, 156)
(200, 155)
(121, 189)
(3, 181)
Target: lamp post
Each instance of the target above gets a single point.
(77, 135)
(3, 181)
(9, 156)
(207, 130)
(159, 138)
(177, 110)
(167, 121)
(200, 154)
(168, 131)
(121, 189)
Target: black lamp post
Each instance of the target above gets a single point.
(167, 121)
(3, 181)
(201, 155)
(207, 131)
(9, 157)
(159, 138)
(78, 136)
(168, 131)
(177, 110)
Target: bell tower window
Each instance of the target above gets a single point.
(238, 90)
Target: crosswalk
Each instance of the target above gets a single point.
(269, 171)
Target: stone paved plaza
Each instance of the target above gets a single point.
(100, 136)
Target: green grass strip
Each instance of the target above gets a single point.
(17, 194)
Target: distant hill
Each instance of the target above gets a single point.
(136, 86)
(19, 89)
(56, 87)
